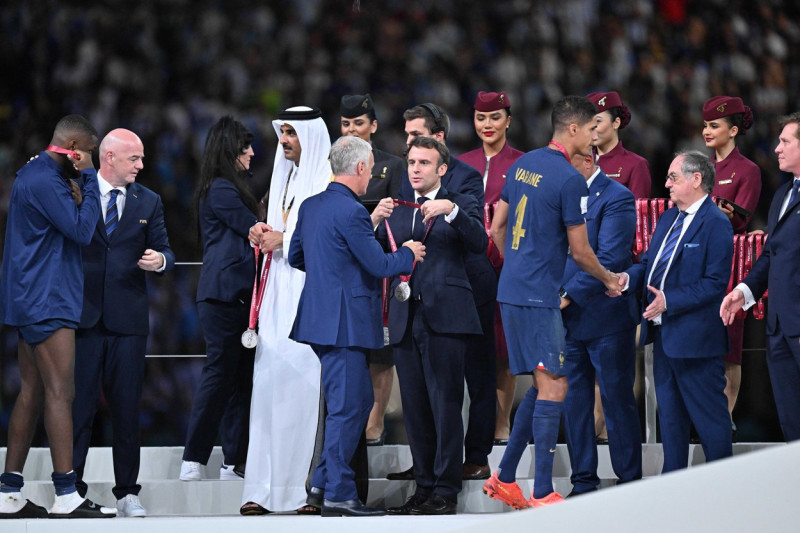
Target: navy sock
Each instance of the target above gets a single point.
(546, 418)
(64, 483)
(11, 482)
(521, 433)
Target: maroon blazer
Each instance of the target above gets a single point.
(498, 166)
(631, 170)
(739, 180)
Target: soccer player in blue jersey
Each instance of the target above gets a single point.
(546, 198)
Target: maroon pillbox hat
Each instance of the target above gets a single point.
(605, 101)
(486, 102)
(722, 106)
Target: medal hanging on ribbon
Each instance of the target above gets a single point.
(250, 337)
(403, 291)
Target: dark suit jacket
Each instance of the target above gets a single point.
(115, 288)
(442, 277)
(228, 259)
(462, 178)
(610, 223)
(778, 268)
(334, 244)
(694, 286)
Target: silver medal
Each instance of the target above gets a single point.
(249, 338)
(402, 292)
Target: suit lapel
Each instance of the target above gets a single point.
(784, 190)
(695, 226)
(595, 191)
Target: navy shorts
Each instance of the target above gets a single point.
(535, 338)
(37, 333)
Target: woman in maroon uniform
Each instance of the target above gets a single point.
(492, 118)
(738, 180)
(624, 166)
(631, 170)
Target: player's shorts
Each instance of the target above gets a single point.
(535, 339)
(37, 333)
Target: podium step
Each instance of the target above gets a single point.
(705, 498)
(163, 494)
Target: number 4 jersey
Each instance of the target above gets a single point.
(545, 194)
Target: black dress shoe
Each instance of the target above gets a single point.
(349, 508)
(501, 442)
(574, 494)
(435, 505)
(315, 497)
(413, 501)
(471, 471)
(405, 475)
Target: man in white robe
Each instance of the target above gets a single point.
(284, 410)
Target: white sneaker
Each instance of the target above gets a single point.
(190, 471)
(228, 473)
(130, 505)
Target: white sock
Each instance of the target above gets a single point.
(11, 502)
(66, 503)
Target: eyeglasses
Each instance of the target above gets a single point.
(673, 176)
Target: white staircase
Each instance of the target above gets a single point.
(163, 494)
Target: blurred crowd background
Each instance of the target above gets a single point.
(168, 69)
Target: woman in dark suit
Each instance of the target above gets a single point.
(226, 208)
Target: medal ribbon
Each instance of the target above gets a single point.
(560, 148)
(385, 300)
(758, 311)
(393, 244)
(638, 246)
(744, 251)
(258, 288)
(487, 224)
(59, 150)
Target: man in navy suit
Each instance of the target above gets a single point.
(339, 313)
(597, 346)
(776, 270)
(686, 272)
(429, 120)
(129, 239)
(431, 328)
